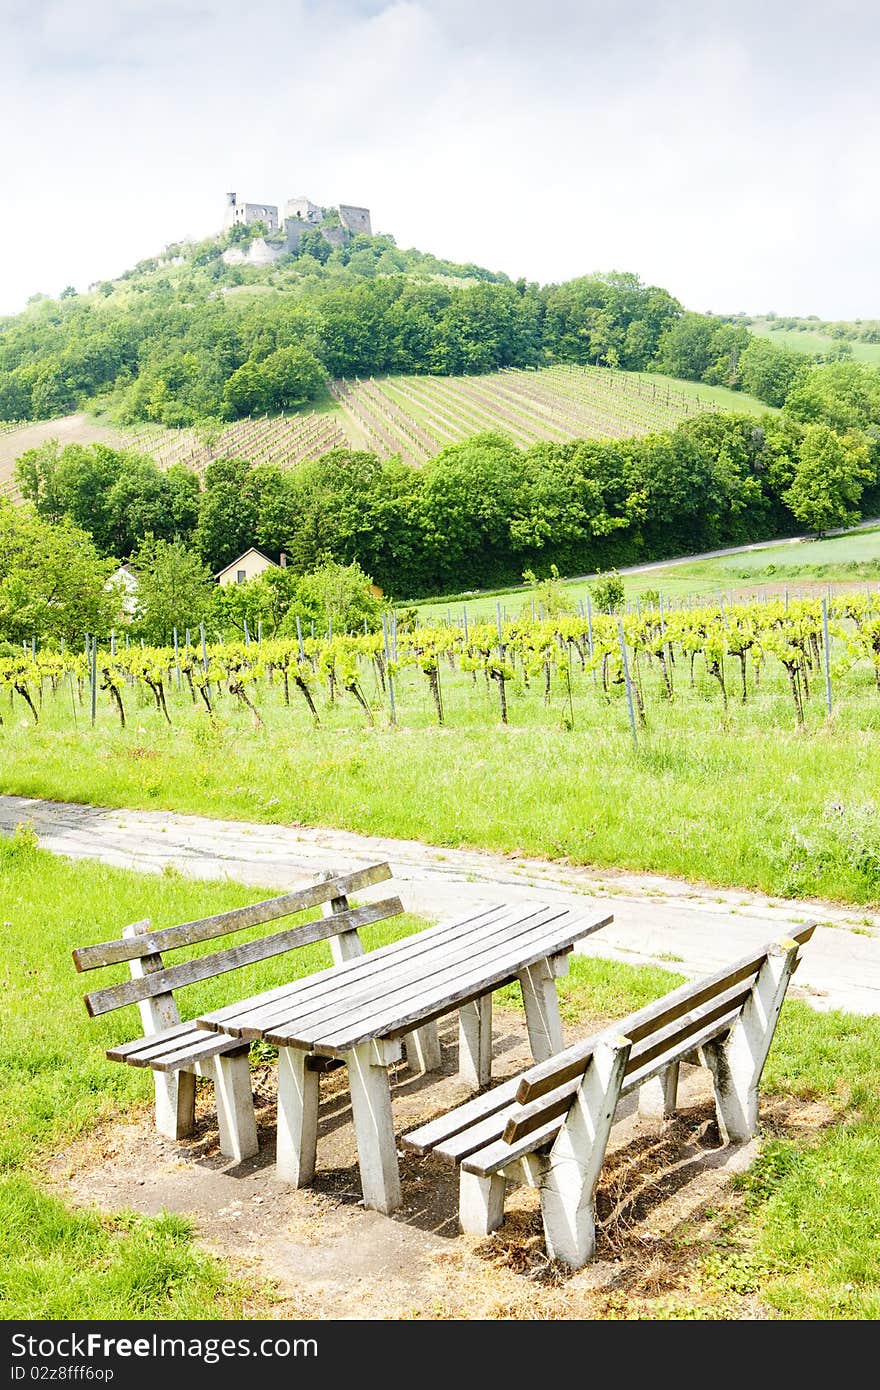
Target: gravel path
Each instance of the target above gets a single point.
(691, 928)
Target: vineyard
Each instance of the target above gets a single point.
(786, 664)
(414, 416)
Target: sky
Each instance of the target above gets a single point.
(728, 152)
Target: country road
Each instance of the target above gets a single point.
(691, 928)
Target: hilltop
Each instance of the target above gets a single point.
(264, 316)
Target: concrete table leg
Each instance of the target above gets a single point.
(374, 1127)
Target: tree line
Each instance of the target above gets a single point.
(483, 511)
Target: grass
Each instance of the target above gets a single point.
(854, 557)
(737, 799)
(812, 340)
(808, 1242)
(56, 1083)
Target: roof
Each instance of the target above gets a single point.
(251, 550)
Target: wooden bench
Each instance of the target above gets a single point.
(549, 1125)
(178, 1051)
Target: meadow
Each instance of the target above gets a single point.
(800, 1233)
(804, 565)
(814, 340)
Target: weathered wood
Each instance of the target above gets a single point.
(224, 923)
(499, 1156)
(458, 983)
(546, 1076)
(345, 990)
(428, 1136)
(233, 1014)
(219, 962)
(526, 1119)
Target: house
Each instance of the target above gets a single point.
(126, 581)
(252, 563)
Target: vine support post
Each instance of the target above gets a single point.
(390, 678)
(628, 683)
(826, 648)
(205, 662)
(93, 676)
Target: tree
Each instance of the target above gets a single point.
(53, 583)
(343, 594)
(227, 513)
(175, 590)
(769, 372)
(831, 473)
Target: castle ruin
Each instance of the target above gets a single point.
(337, 225)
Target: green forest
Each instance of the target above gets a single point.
(185, 338)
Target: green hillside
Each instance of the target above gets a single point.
(829, 341)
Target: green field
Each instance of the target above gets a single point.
(800, 564)
(734, 796)
(814, 340)
(801, 1234)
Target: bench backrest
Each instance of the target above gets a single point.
(659, 1034)
(152, 978)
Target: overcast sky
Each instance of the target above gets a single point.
(726, 151)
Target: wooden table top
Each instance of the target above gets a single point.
(389, 992)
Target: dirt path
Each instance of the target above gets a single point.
(656, 920)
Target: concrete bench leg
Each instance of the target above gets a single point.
(423, 1049)
(569, 1179)
(736, 1064)
(374, 1128)
(480, 1203)
(475, 1042)
(235, 1106)
(658, 1096)
(542, 1009)
(297, 1142)
(175, 1103)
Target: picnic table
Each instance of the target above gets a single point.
(359, 1010)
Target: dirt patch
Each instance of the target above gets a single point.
(318, 1253)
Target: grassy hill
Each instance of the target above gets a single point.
(413, 416)
(812, 340)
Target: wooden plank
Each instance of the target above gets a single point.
(476, 1136)
(190, 933)
(500, 1155)
(426, 1137)
(711, 1031)
(122, 1051)
(334, 1005)
(219, 962)
(546, 1076)
(198, 1051)
(340, 974)
(462, 981)
(671, 1038)
(525, 1119)
(458, 984)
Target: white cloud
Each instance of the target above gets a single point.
(727, 154)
